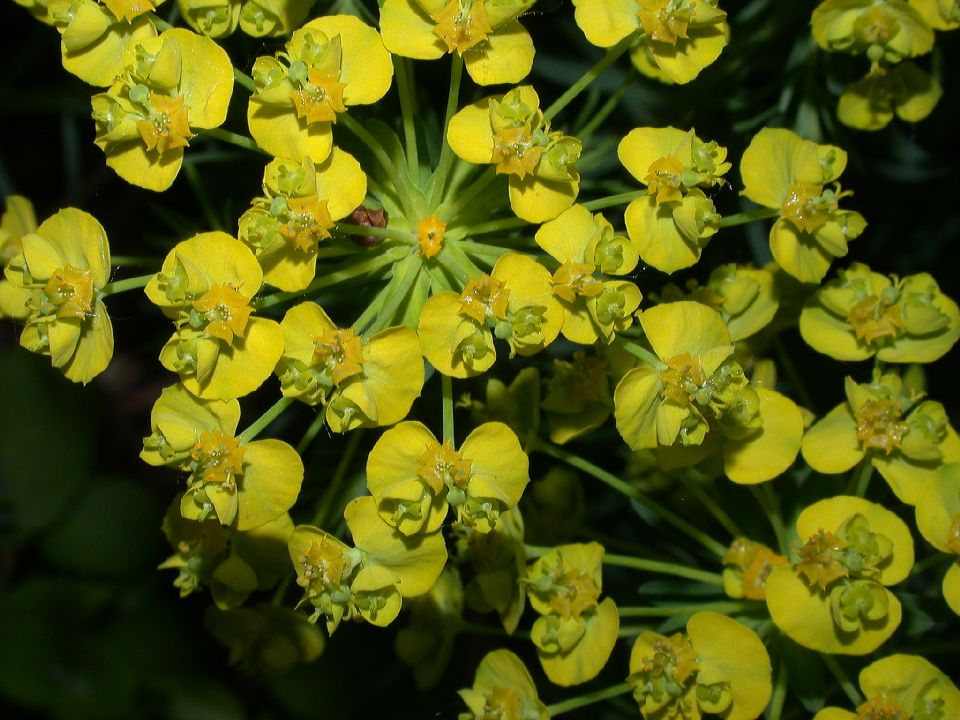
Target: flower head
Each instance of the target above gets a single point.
(55, 287)
(798, 177)
(170, 86)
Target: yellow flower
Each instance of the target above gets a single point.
(494, 45)
(672, 223)
(328, 64)
(905, 437)
(578, 396)
(747, 565)
(503, 688)
(938, 520)
(576, 631)
(273, 18)
(242, 484)
(206, 285)
(264, 638)
(834, 599)
(58, 276)
(678, 38)
(901, 686)
(95, 38)
(938, 14)
(171, 85)
(782, 171)
(584, 244)
(18, 219)
(498, 560)
(719, 667)
(414, 478)
(889, 31)
(863, 313)
(369, 580)
(508, 131)
(747, 298)
(515, 302)
(361, 383)
(903, 90)
(515, 405)
(214, 18)
(697, 391)
(300, 206)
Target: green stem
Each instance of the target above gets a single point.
(589, 76)
(841, 677)
(439, 179)
(768, 501)
(582, 700)
(860, 480)
(350, 272)
(119, 286)
(398, 290)
(490, 226)
(749, 216)
(268, 417)
(448, 211)
(311, 432)
(608, 107)
(481, 250)
(447, 384)
(663, 568)
(401, 182)
(405, 89)
(724, 608)
(630, 491)
(775, 706)
(233, 138)
(388, 233)
(639, 351)
(245, 80)
(614, 200)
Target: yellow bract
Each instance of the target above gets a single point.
(361, 383)
(242, 484)
(719, 667)
(576, 631)
(905, 437)
(494, 46)
(328, 64)
(54, 287)
(676, 39)
(414, 478)
(503, 688)
(206, 285)
(834, 599)
(509, 132)
(585, 243)
(301, 202)
(169, 86)
(862, 313)
(516, 303)
(780, 170)
(901, 687)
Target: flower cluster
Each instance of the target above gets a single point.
(522, 374)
